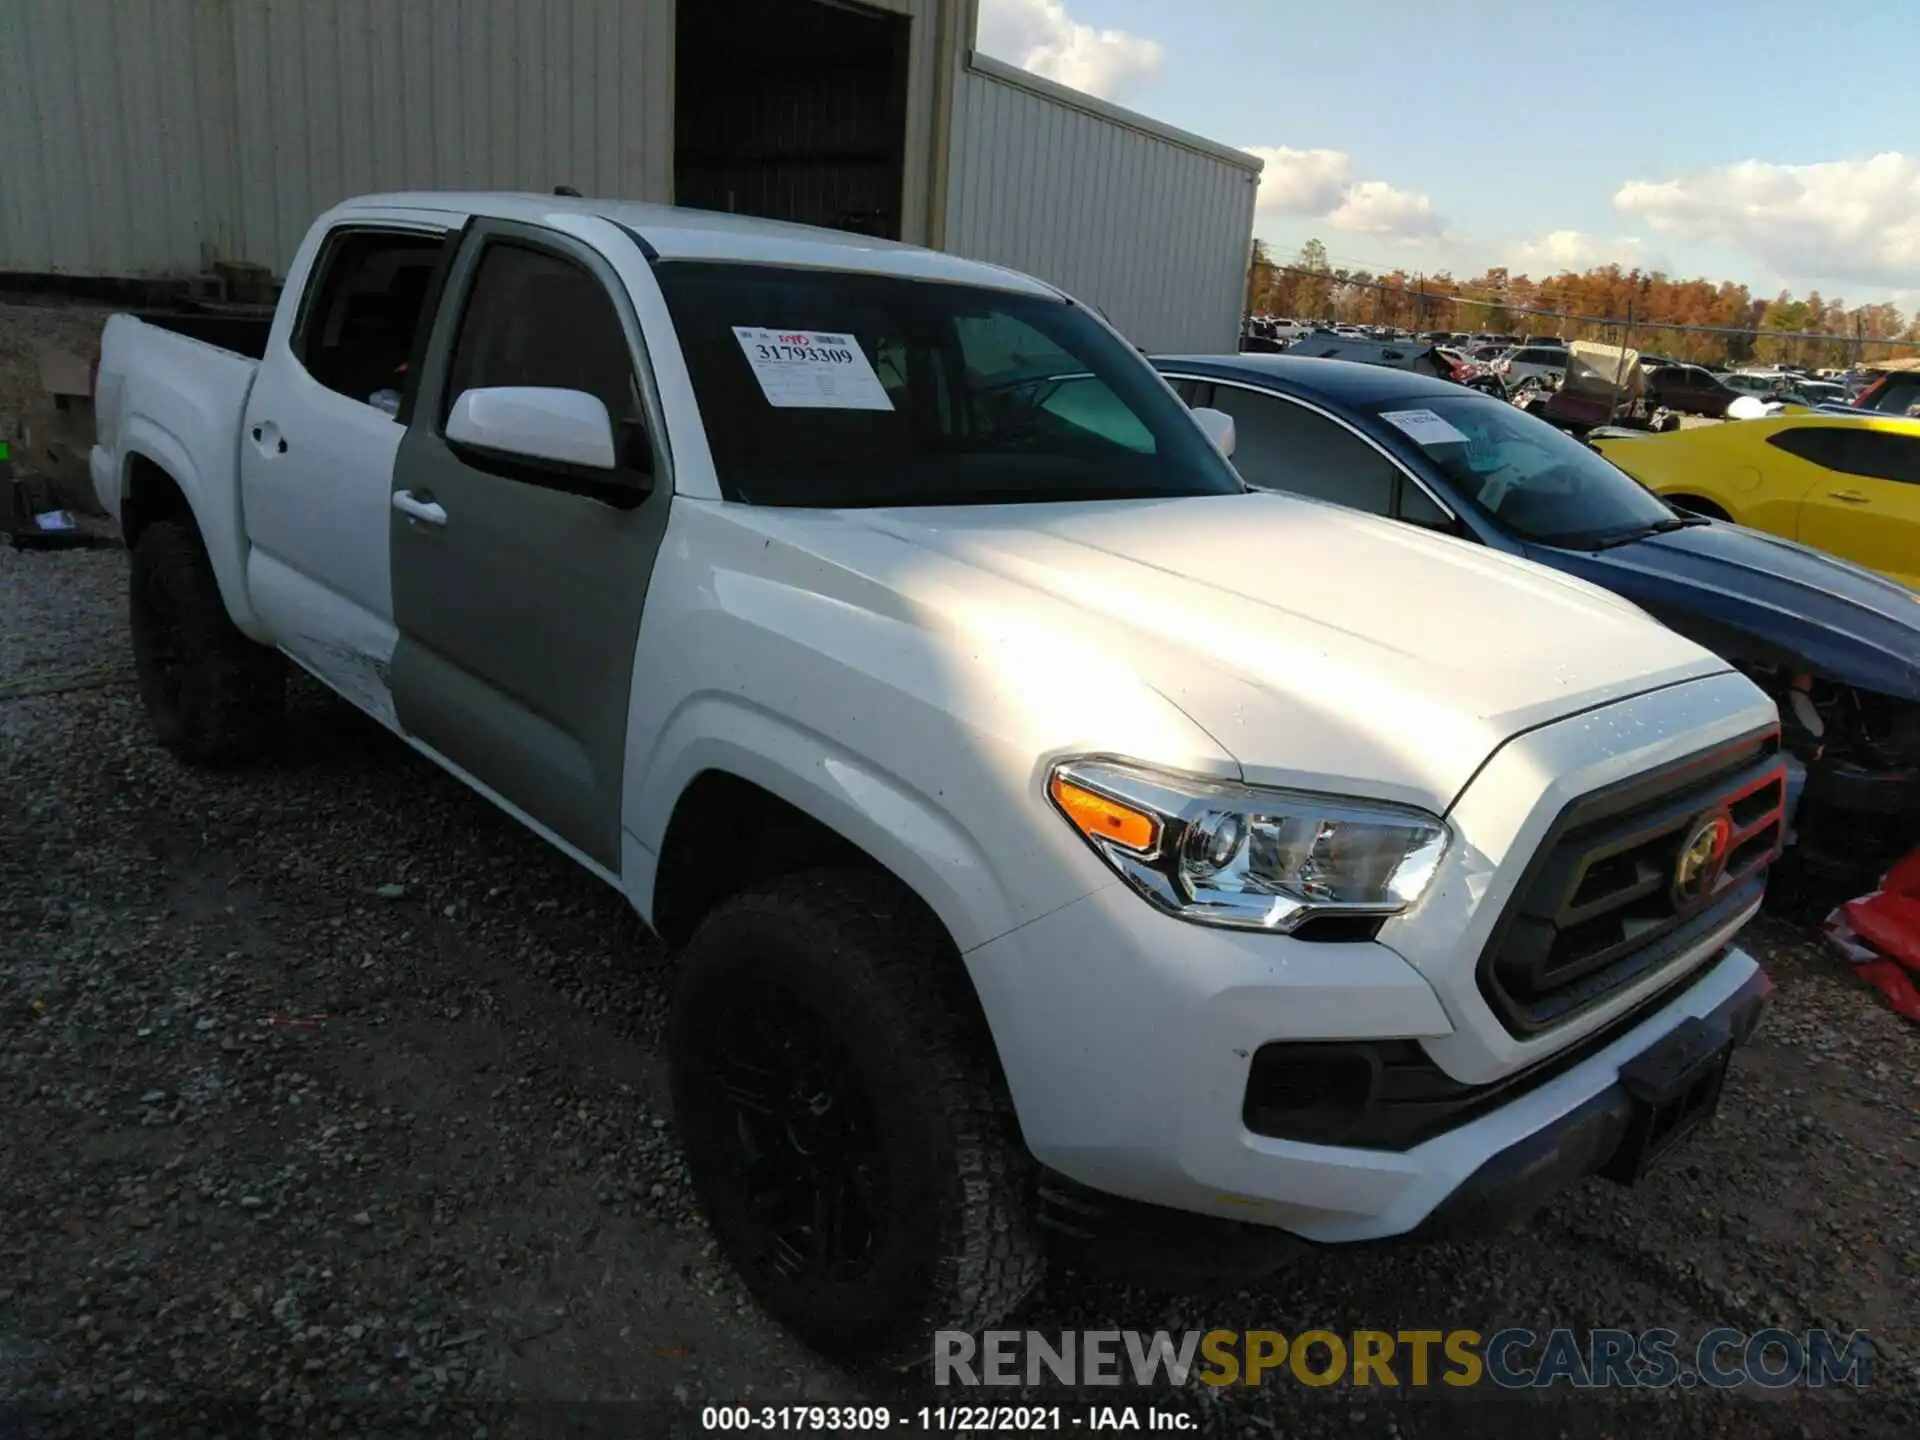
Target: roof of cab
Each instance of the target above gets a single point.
(679, 234)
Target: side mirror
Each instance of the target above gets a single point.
(1218, 426)
(531, 422)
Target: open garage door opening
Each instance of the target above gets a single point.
(791, 110)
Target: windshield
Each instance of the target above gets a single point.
(1533, 480)
(828, 388)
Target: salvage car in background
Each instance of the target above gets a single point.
(1398, 354)
(1833, 644)
(1474, 374)
(1688, 389)
(1602, 385)
(1531, 362)
(1846, 483)
(1893, 390)
(1761, 384)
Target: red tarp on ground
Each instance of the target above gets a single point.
(1880, 934)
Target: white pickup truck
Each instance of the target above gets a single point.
(1070, 851)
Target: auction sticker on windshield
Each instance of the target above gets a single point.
(1425, 427)
(811, 370)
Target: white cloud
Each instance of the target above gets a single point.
(1374, 207)
(1039, 35)
(1577, 250)
(1302, 182)
(1320, 184)
(1843, 219)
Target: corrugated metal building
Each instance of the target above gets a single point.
(1151, 224)
(155, 139)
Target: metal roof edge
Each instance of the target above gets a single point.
(1105, 110)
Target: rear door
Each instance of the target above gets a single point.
(519, 606)
(323, 425)
(1864, 505)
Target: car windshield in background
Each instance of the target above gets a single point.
(828, 388)
(1534, 480)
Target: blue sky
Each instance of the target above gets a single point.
(1760, 141)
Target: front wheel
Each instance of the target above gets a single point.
(847, 1132)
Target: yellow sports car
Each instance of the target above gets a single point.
(1842, 484)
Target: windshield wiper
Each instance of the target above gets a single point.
(1656, 527)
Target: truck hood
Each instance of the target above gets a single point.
(1319, 647)
(1755, 597)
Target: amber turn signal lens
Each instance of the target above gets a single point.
(1102, 819)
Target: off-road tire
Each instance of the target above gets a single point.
(212, 695)
(960, 1248)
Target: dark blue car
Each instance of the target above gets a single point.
(1837, 647)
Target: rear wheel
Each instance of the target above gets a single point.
(212, 695)
(847, 1132)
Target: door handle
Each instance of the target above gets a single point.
(1851, 497)
(411, 505)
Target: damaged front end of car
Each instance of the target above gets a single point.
(1854, 773)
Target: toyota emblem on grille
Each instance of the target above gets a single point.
(1702, 859)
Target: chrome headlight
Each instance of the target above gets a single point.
(1226, 854)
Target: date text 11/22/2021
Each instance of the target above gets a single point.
(949, 1419)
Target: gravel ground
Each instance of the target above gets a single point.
(331, 1095)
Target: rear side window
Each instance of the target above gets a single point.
(533, 318)
(1873, 455)
(363, 308)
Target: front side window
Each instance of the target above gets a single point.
(533, 318)
(1531, 479)
(834, 389)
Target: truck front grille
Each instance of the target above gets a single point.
(1631, 876)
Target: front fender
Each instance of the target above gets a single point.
(909, 834)
(214, 513)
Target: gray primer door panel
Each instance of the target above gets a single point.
(518, 617)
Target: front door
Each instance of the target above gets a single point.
(518, 604)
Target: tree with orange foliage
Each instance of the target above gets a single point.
(1647, 308)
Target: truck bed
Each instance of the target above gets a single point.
(242, 334)
(178, 400)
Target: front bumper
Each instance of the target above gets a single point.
(1135, 1087)
(1500, 1193)
(1511, 1186)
